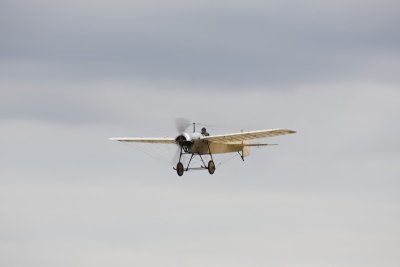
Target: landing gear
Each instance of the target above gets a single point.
(211, 167)
(179, 169)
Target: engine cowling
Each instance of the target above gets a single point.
(184, 140)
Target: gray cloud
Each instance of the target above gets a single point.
(263, 43)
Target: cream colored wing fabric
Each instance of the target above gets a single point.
(145, 140)
(246, 136)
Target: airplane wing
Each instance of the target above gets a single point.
(145, 140)
(246, 136)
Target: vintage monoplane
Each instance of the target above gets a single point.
(203, 144)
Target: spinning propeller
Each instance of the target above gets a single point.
(181, 125)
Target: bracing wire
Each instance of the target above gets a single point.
(227, 160)
(157, 157)
(156, 154)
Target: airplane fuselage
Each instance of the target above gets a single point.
(193, 143)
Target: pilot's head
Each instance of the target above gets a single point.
(203, 130)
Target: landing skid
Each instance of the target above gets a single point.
(180, 169)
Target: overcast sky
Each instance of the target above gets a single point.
(74, 73)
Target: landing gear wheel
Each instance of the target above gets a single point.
(211, 167)
(179, 169)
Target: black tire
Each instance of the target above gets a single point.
(211, 167)
(179, 169)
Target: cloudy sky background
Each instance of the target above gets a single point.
(74, 73)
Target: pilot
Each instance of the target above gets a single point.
(204, 132)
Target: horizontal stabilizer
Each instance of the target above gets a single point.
(257, 145)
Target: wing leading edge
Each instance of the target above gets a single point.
(144, 140)
(246, 136)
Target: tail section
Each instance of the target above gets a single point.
(247, 146)
(246, 149)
